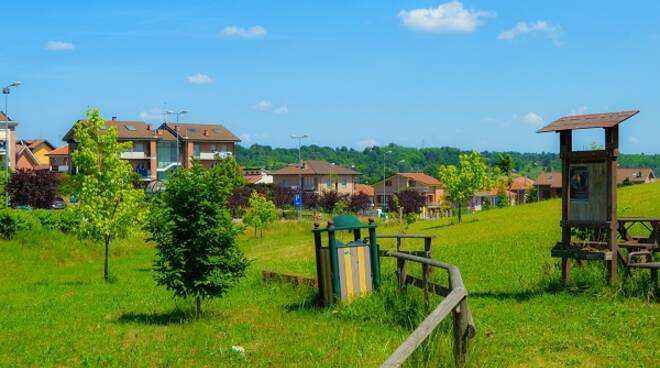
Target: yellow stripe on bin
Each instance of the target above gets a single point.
(349, 275)
(361, 271)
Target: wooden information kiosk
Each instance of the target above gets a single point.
(589, 183)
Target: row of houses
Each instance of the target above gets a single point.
(549, 184)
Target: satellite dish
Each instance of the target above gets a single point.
(154, 187)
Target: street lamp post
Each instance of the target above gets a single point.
(300, 164)
(5, 91)
(384, 191)
(398, 175)
(176, 130)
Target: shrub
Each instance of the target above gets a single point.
(411, 201)
(329, 200)
(283, 197)
(12, 221)
(36, 188)
(65, 221)
(310, 200)
(359, 202)
(261, 213)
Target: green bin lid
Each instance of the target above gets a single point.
(347, 222)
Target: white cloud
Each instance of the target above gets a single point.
(553, 31)
(634, 140)
(199, 78)
(580, 110)
(59, 46)
(369, 142)
(447, 17)
(533, 118)
(267, 106)
(251, 32)
(281, 110)
(152, 114)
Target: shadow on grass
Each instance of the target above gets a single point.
(144, 269)
(505, 295)
(176, 316)
(449, 224)
(310, 302)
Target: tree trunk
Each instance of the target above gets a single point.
(105, 262)
(198, 306)
(459, 212)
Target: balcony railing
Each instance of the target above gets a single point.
(59, 168)
(212, 155)
(133, 155)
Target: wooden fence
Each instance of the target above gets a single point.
(455, 302)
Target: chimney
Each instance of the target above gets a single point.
(206, 132)
(114, 118)
(148, 127)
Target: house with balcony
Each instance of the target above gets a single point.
(143, 139)
(429, 186)
(316, 176)
(31, 154)
(7, 140)
(205, 143)
(59, 160)
(254, 175)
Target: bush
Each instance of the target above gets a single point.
(359, 202)
(12, 221)
(411, 201)
(328, 200)
(36, 188)
(65, 221)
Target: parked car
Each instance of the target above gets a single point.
(24, 207)
(58, 204)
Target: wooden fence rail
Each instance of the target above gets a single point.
(455, 302)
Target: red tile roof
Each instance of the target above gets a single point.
(202, 132)
(421, 178)
(315, 167)
(33, 143)
(553, 179)
(522, 183)
(59, 151)
(365, 189)
(125, 129)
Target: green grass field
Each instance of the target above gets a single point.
(55, 309)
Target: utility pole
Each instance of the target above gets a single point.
(300, 167)
(384, 191)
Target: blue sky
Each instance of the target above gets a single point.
(471, 74)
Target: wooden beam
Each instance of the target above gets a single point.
(566, 148)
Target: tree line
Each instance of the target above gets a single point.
(369, 161)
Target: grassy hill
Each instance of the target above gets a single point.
(55, 310)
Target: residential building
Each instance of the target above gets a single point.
(257, 176)
(429, 186)
(549, 184)
(367, 190)
(7, 139)
(490, 198)
(521, 187)
(316, 176)
(31, 154)
(59, 160)
(154, 152)
(203, 142)
(627, 176)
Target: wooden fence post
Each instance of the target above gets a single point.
(460, 332)
(401, 273)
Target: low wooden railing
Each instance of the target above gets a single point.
(455, 302)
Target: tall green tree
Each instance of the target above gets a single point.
(109, 205)
(260, 214)
(461, 183)
(196, 241)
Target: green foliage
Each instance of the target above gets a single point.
(261, 212)
(504, 163)
(460, 184)
(109, 205)
(12, 221)
(66, 221)
(340, 207)
(196, 241)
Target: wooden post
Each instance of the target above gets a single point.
(460, 322)
(612, 149)
(401, 273)
(566, 146)
(426, 269)
(374, 255)
(319, 273)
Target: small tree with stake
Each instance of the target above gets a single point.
(196, 241)
(461, 183)
(110, 206)
(260, 214)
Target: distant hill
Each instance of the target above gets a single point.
(370, 160)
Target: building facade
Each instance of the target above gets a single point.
(316, 176)
(7, 140)
(429, 186)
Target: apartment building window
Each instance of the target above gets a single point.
(344, 183)
(285, 183)
(196, 149)
(223, 148)
(138, 147)
(388, 183)
(213, 147)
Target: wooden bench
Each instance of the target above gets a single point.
(649, 265)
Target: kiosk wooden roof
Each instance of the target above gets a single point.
(588, 121)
